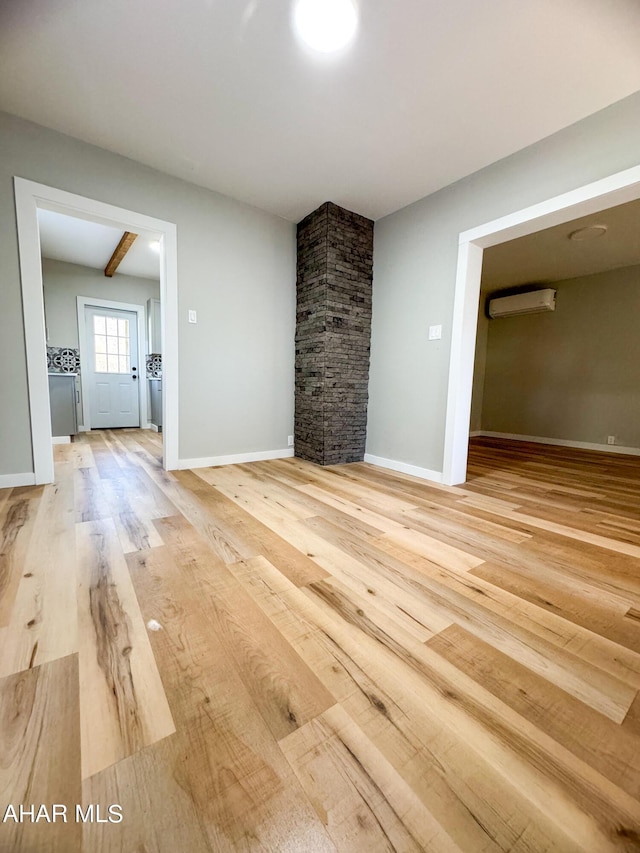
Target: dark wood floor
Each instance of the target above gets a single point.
(280, 657)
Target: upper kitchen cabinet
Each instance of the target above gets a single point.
(154, 329)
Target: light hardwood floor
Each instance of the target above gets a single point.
(281, 657)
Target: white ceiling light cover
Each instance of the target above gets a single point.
(325, 25)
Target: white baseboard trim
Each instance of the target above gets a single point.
(234, 459)
(83, 428)
(10, 481)
(404, 468)
(152, 427)
(561, 442)
(61, 439)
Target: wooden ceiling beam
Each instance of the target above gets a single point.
(121, 250)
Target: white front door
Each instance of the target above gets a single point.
(112, 371)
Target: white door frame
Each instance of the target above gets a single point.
(591, 198)
(29, 197)
(82, 303)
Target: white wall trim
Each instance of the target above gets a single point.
(561, 442)
(463, 351)
(11, 481)
(615, 189)
(61, 439)
(234, 459)
(34, 332)
(404, 468)
(29, 196)
(590, 198)
(81, 303)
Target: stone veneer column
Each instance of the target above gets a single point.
(333, 335)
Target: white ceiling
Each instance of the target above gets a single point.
(220, 93)
(80, 241)
(549, 255)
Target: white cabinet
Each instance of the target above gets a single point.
(63, 400)
(155, 388)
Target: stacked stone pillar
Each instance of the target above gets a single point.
(333, 334)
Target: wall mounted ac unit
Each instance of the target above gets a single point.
(532, 302)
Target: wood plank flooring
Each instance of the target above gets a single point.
(281, 657)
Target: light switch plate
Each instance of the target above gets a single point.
(435, 333)
(193, 317)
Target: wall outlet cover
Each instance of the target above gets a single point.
(435, 333)
(193, 317)
(290, 440)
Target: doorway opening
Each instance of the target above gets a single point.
(611, 191)
(110, 394)
(557, 351)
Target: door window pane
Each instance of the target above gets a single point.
(111, 345)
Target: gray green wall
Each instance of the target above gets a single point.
(236, 267)
(415, 259)
(573, 374)
(64, 282)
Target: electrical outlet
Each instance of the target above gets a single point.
(290, 440)
(435, 333)
(611, 439)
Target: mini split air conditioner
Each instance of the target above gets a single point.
(532, 302)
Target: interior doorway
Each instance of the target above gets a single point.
(32, 198)
(591, 198)
(557, 351)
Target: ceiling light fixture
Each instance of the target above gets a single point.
(589, 232)
(325, 25)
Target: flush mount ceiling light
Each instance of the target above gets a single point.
(325, 25)
(590, 232)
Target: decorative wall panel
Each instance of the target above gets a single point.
(63, 360)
